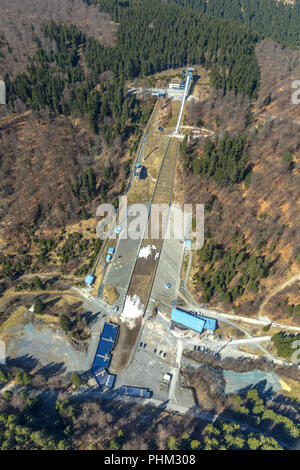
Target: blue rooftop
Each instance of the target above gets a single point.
(210, 323)
(108, 258)
(101, 362)
(195, 322)
(109, 331)
(185, 319)
(103, 355)
(104, 347)
(134, 391)
(111, 251)
(104, 379)
(89, 279)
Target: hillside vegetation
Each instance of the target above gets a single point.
(21, 24)
(28, 421)
(69, 123)
(270, 18)
(249, 182)
(153, 36)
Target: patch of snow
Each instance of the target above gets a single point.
(133, 308)
(146, 251)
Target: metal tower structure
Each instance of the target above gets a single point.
(186, 90)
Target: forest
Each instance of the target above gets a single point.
(229, 271)
(269, 18)
(150, 38)
(28, 421)
(285, 344)
(224, 159)
(251, 191)
(153, 37)
(56, 80)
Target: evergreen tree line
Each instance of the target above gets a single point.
(24, 424)
(151, 37)
(223, 266)
(277, 20)
(285, 344)
(154, 36)
(224, 159)
(56, 80)
(29, 429)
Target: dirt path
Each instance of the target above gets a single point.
(278, 289)
(52, 274)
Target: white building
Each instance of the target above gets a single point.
(178, 85)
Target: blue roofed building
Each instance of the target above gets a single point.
(104, 347)
(104, 379)
(194, 322)
(187, 320)
(210, 323)
(134, 391)
(108, 258)
(101, 360)
(111, 251)
(89, 280)
(110, 331)
(103, 356)
(137, 169)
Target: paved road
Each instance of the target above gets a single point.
(257, 339)
(224, 319)
(175, 374)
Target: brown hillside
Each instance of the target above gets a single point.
(279, 68)
(20, 22)
(267, 211)
(40, 158)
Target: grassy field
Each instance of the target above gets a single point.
(290, 388)
(110, 294)
(155, 146)
(16, 319)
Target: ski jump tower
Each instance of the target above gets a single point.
(189, 73)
